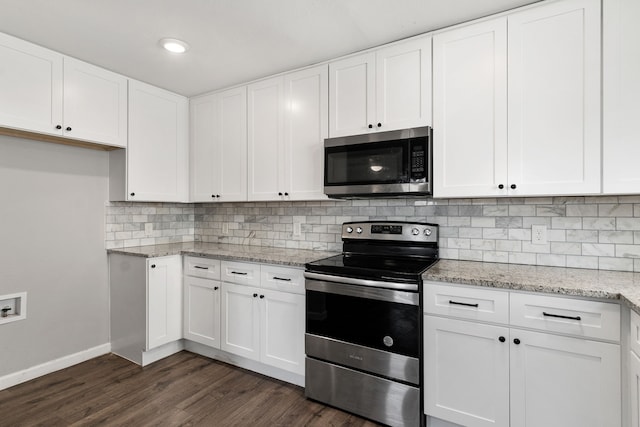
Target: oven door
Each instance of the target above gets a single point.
(370, 329)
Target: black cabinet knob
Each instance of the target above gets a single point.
(213, 195)
(370, 126)
(153, 266)
(215, 288)
(132, 194)
(379, 125)
(286, 194)
(513, 186)
(255, 295)
(58, 127)
(261, 296)
(502, 339)
(501, 186)
(68, 129)
(217, 196)
(516, 341)
(279, 194)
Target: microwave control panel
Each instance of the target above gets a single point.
(418, 160)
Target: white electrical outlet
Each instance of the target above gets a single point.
(148, 229)
(225, 228)
(297, 229)
(539, 234)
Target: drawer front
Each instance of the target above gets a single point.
(202, 267)
(284, 279)
(634, 341)
(466, 303)
(241, 273)
(590, 319)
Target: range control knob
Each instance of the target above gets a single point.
(359, 230)
(415, 231)
(427, 232)
(349, 230)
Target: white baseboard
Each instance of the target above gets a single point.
(52, 366)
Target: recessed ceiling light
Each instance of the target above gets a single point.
(174, 45)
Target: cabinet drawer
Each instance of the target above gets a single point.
(202, 267)
(466, 303)
(634, 333)
(242, 273)
(589, 319)
(282, 278)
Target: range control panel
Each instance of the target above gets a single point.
(391, 230)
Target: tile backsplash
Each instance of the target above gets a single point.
(600, 232)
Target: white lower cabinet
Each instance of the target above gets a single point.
(633, 370)
(256, 311)
(202, 311)
(146, 306)
(479, 373)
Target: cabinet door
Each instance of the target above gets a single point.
(265, 133)
(621, 96)
(164, 300)
(470, 110)
(305, 128)
(282, 321)
(202, 311)
(561, 381)
(403, 85)
(554, 99)
(157, 153)
(230, 138)
(203, 152)
(31, 87)
(95, 104)
(634, 388)
(240, 320)
(352, 95)
(466, 369)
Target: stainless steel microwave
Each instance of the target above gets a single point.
(381, 164)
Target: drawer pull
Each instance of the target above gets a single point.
(561, 316)
(281, 278)
(240, 273)
(466, 304)
(201, 268)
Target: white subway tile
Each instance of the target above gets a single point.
(551, 260)
(617, 264)
(598, 249)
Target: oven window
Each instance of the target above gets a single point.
(387, 326)
(372, 163)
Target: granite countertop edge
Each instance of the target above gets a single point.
(598, 284)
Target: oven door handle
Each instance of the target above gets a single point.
(363, 282)
(332, 287)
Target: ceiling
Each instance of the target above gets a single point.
(232, 41)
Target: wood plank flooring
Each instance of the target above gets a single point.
(182, 390)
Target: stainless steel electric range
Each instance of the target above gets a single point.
(363, 336)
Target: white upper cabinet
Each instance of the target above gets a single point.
(287, 124)
(31, 87)
(266, 136)
(383, 90)
(554, 99)
(470, 110)
(47, 93)
(534, 130)
(305, 129)
(157, 155)
(621, 92)
(218, 148)
(95, 104)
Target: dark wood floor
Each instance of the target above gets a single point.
(182, 390)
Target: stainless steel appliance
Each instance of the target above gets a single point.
(363, 336)
(394, 163)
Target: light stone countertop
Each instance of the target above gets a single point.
(225, 251)
(613, 285)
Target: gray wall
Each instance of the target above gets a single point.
(52, 216)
